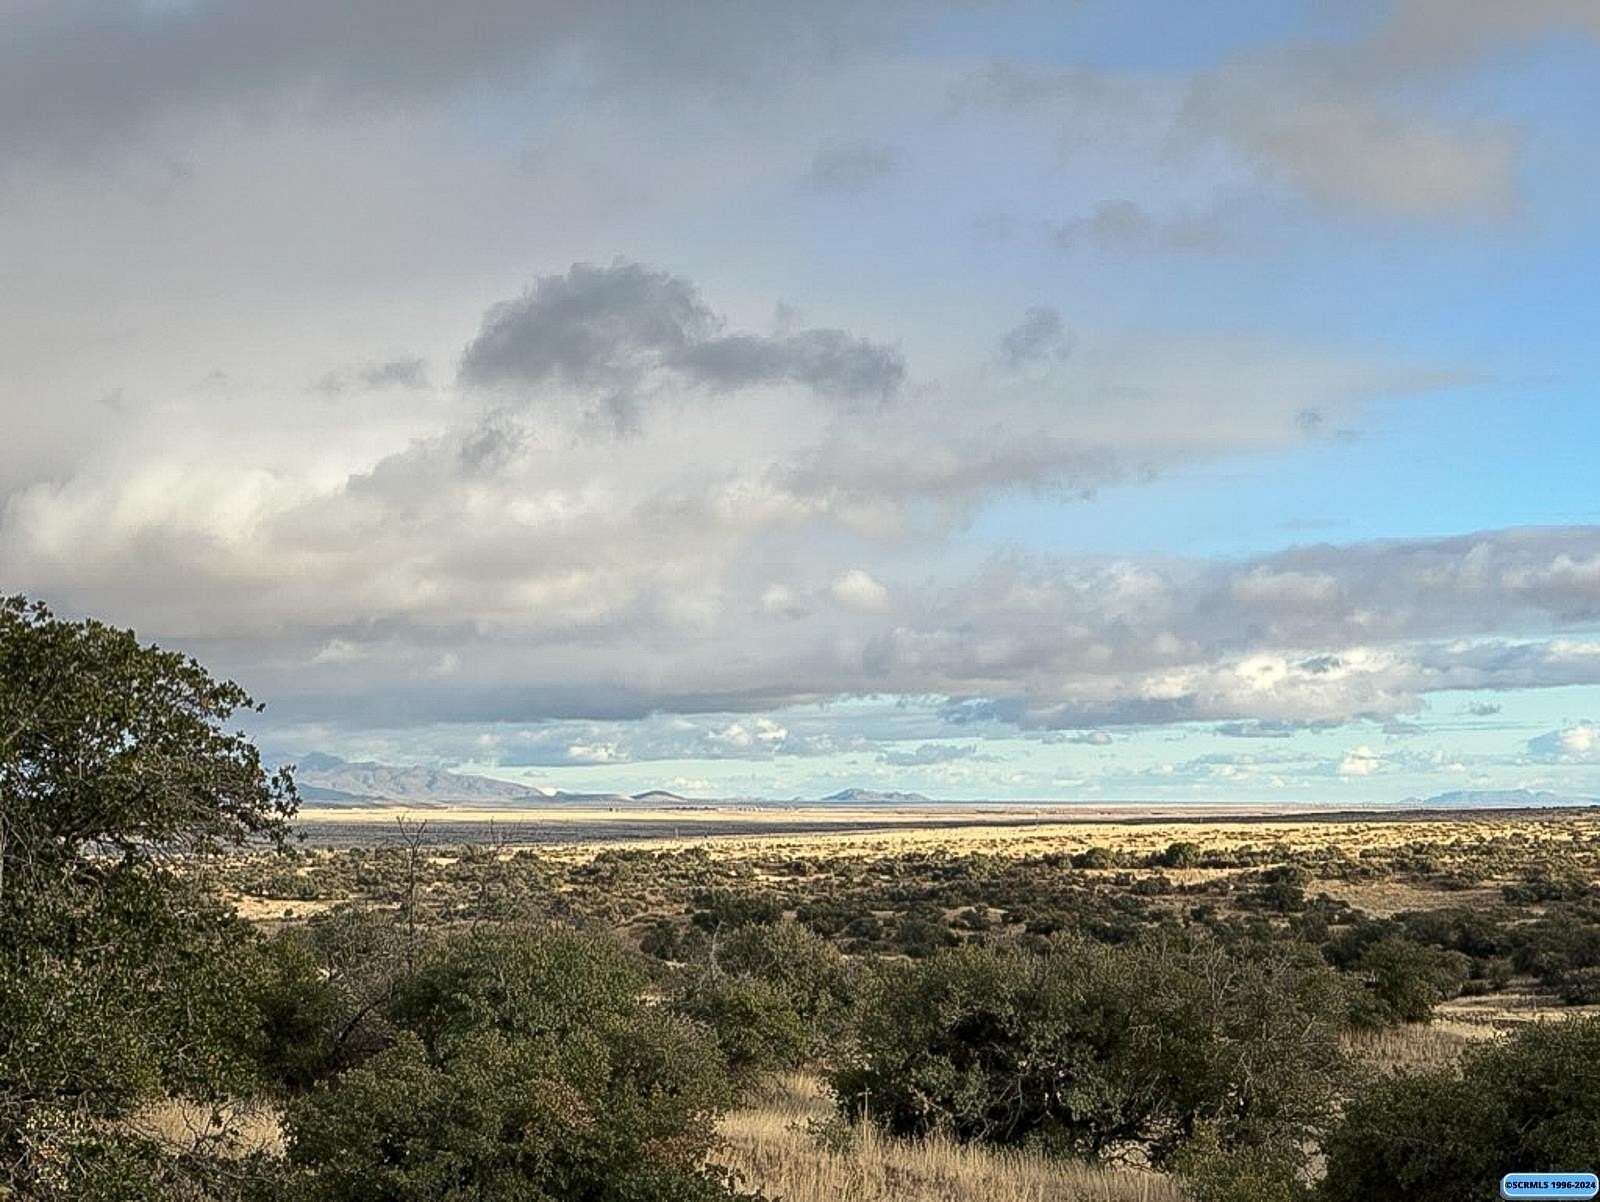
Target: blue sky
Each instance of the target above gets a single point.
(1018, 401)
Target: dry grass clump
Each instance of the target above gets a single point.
(230, 1128)
(772, 1142)
(1416, 1047)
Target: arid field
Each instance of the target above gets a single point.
(904, 882)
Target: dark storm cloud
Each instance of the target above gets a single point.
(80, 74)
(830, 362)
(608, 329)
(1039, 337)
(594, 327)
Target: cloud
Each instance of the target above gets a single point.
(406, 372)
(409, 372)
(780, 601)
(613, 332)
(830, 362)
(1304, 125)
(850, 168)
(1359, 121)
(1040, 337)
(1577, 744)
(490, 560)
(857, 590)
(1262, 730)
(928, 754)
(592, 328)
(1124, 227)
(1348, 123)
(231, 57)
(1360, 761)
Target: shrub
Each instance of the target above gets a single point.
(1401, 981)
(1178, 855)
(725, 909)
(504, 1119)
(1210, 1173)
(754, 1022)
(1529, 1102)
(324, 992)
(1087, 1048)
(1096, 857)
(528, 1066)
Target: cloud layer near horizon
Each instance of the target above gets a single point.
(638, 509)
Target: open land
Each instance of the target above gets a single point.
(1501, 893)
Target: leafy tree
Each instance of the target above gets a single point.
(121, 979)
(117, 748)
(1178, 855)
(754, 1022)
(809, 970)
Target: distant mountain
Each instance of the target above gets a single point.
(658, 797)
(329, 779)
(874, 795)
(1496, 799)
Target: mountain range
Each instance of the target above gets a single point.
(1497, 799)
(329, 780)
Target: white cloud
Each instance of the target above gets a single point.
(1576, 744)
(1360, 761)
(857, 590)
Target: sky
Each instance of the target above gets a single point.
(1098, 400)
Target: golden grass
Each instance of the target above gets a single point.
(768, 1142)
(1019, 832)
(233, 1128)
(1418, 1047)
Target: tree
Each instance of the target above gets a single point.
(324, 994)
(112, 746)
(120, 978)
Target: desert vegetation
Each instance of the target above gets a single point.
(192, 1006)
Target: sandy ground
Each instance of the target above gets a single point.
(778, 813)
(1013, 829)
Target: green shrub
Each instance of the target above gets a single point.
(1530, 1102)
(1178, 855)
(1087, 1048)
(505, 1118)
(1401, 982)
(528, 1066)
(754, 1022)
